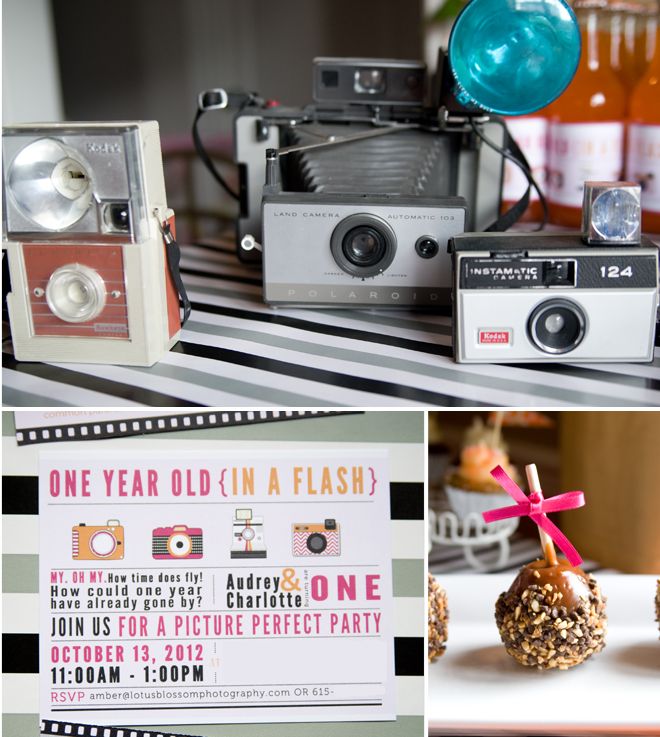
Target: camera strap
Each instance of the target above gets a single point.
(512, 151)
(218, 99)
(173, 255)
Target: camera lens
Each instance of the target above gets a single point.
(75, 293)
(557, 326)
(363, 245)
(102, 543)
(116, 217)
(179, 545)
(427, 246)
(317, 543)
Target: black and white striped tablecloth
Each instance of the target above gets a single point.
(236, 351)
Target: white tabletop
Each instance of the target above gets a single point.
(476, 687)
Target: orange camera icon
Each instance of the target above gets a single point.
(98, 542)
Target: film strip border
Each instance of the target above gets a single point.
(86, 730)
(103, 429)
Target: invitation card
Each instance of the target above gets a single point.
(215, 587)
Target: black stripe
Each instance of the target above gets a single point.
(20, 495)
(435, 349)
(406, 500)
(20, 653)
(220, 275)
(93, 383)
(409, 656)
(217, 247)
(639, 382)
(323, 376)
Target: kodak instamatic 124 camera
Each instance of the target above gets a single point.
(83, 210)
(589, 297)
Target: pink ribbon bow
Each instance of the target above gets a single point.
(536, 507)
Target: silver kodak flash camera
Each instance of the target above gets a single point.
(589, 297)
(84, 224)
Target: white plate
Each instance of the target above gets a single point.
(476, 687)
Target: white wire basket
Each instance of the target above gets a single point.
(471, 533)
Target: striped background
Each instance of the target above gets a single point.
(402, 433)
(235, 351)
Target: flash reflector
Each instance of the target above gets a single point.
(49, 184)
(612, 212)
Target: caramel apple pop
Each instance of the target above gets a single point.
(553, 615)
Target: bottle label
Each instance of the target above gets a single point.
(643, 163)
(530, 134)
(578, 152)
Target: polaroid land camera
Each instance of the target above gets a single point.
(363, 188)
(530, 298)
(83, 211)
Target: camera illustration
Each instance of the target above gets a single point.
(91, 279)
(180, 541)
(98, 542)
(247, 540)
(548, 297)
(311, 539)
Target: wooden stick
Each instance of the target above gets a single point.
(547, 545)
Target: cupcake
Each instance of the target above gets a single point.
(470, 486)
(552, 616)
(437, 619)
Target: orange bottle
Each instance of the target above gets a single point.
(586, 131)
(530, 133)
(643, 154)
(627, 29)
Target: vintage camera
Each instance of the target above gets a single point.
(311, 539)
(589, 297)
(247, 539)
(84, 208)
(98, 542)
(180, 541)
(355, 196)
